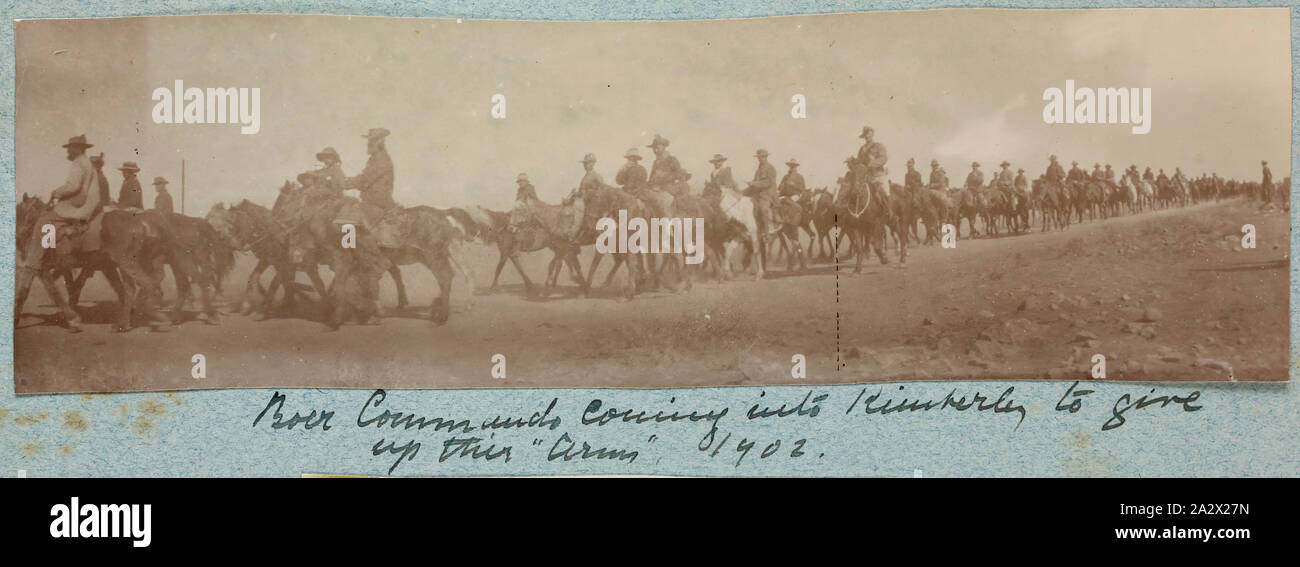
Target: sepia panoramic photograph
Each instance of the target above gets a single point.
(346, 202)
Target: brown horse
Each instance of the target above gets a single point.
(130, 242)
(247, 226)
(859, 216)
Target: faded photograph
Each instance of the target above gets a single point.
(325, 201)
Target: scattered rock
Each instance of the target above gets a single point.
(985, 314)
(1084, 336)
(1151, 315)
(1148, 332)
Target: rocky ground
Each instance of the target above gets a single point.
(1169, 295)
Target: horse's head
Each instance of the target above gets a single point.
(288, 201)
(30, 208)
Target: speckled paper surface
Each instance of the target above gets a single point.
(1240, 430)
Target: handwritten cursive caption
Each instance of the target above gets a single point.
(738, 435)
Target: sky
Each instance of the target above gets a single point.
(952, 85)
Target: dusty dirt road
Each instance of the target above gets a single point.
(1167, 295)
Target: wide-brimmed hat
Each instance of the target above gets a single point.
(328, 152)
(718, 158)
(934, 162)
(760, 153)
(159, 181)
(522, 178)
(376, 133)
(1004, 163)
(659, 141)
(1021, 170)
(633, 153)
(129, 166)
(866, 129)
(78, 141)
(974, 164)
(1074, 163)
(793, 162)
(589, 158)
(1096, 165)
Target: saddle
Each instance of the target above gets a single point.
(79, 236)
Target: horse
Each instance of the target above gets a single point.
(740, 208)
(247, 226)
(129, 243)
(861, 221)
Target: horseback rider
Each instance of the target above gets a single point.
(666, 173)
(1005, 182)
(1110, 176)
(938, 177)
(75, 202)
(762, 189)
(873, 156)
(1022, 183)
(321, 186)
(632, 176)
(912, 179)
(326, 182)
(718, 178)
(130, 195)
(1077, 173)
(105, 199)
(375, 183)
(591, 180)
(1097, 173)
(792, 185)
(162, 201)
(525, 194)
(974, 179)
(1055, 173)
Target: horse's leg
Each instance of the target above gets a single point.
(115, 281)
(70, 318)
(440, 265)
(575, 268)
(78, 283)
(454, 251)
(596, 257)
(313, 272)
(207, 284)
(395, 272)
(254, 281)
(183, 282)
(23, 286)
